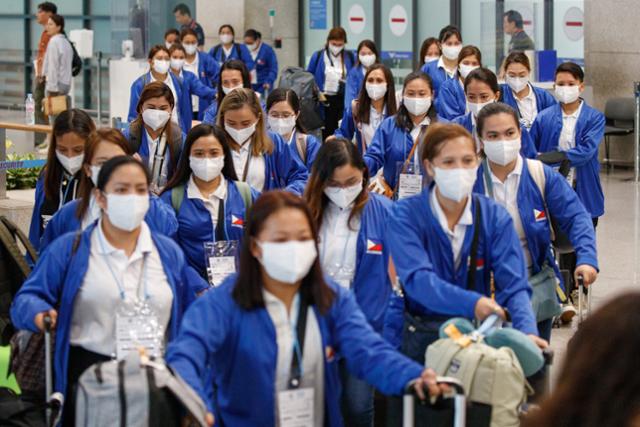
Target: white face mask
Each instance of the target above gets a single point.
(156, 119)
(288, 262)
(343, 197)
(282, 126)
(517, 83)
(226, 38)
(376, 91)
(567, 94)
(161, 66)
(228, 90)
(367, 60)
(451, 52)
(127, 211)
(475, 107)
(252, 46)
(502, 152)
(455, 184)
(95, 173)
(240, 135)
(417, 106)
(177, 64)
(335, 50)
(190, 49)
(168, 45)
(71, 164)
(205, 168)
(428, 59)
(466, 69)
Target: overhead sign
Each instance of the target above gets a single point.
(398, 20)
(318, 14)
(573, 24)
(357, 19)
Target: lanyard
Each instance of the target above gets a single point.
(245, 173)
(220, 228)
(342, 68)
(71, 183)
(143, 272)
(158, 158)
(300, 330)
(473, 256)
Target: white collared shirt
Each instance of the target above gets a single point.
(169, 82)
(450, 73)
(567, 139)
(506, 194)
(93, 321)
(367, 130)
(193, 67)
(415, 133)
(312, 356)
(338, 243)
(332, 73)
(153, 145)
(212, 203)
(226, 51)
(257, 166)
(528, 106)
(456, 237)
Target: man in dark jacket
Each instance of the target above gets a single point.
(513, 25)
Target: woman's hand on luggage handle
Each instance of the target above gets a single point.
(588, 273)
(428, 380)
(542, 344)
(188, 421)
(486, 307)
(39, 319)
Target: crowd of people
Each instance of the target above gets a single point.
(219, 218)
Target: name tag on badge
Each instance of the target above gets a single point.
(295, 407)
(137, 330)
(409, 185)
(221, 267)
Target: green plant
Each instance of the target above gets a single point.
(18, 179)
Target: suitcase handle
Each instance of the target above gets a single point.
(460, 402)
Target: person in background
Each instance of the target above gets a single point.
(518, 91)
(430, 51)
(330, 66)
(375, 102)
(58, 182)
(243, 331)
(513, 25)
(82, 212)
(260, 158)
(203, 66)
(233, 75)
(154, 136)
(45, 10)
(263, 76)
(171, 37)
(451, 101)
(183, 17)
(206, 196)
(87, 281)
(351, 223)
(367, 55)
(450, 43)
(283, 118)
(227, 49)
(57, 61)
(524, 186)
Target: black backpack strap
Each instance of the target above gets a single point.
(7, 238)
(216, 49)
(19, 234)
(473, 256)
(135, 135)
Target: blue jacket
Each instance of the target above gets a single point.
(563, 205)
(238, 51)
(59, 274)
(528, 149)
(143, 150)
(159, 218)
(313, 146)
(355, 82)
(451, 101)
(423, 259)
(208, 70)
(184, 117)
(438, 75)
(266, 67)
(240, 346)
(283, 170)
(544, 99)
(191, 85)
(584, 156)
(316, 65)
(348, 128)
(195, 227)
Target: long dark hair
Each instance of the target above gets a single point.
(403, 120)
(426, 44)
(485, 76)
(69, 121)
(248, 287)
(291, 98)
(183, 172)
(234, 64)
(334, 153)
(597, 385)
(372, 47)
(364, 102)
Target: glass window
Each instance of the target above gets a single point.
(356, 17)
(433, 15)
(397, 37)
(478, 27)
(568, 30)
(318, 20)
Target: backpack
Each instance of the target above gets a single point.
(177, 196)
(304, 85)
(135, 391)
(76, 62)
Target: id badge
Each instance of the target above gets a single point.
(409, 182)
(295, 407)
(254, 76)
(343, 276)
(137, 327)
(221, 260)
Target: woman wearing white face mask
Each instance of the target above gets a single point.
(210, 203)
(228, 49)
(376, 101)
(82, 212)
(367, 56)
(429, 51)
(396, 143)
(283, 109)
(260, 158)
(353, 249)
(88, 282)
(58, 182)
(154, 136)
(264, 77)
(445, 65)
(159, 71)
(451, 102)
(530, 191)
(519, 93)
(277, 328)
(330, 67)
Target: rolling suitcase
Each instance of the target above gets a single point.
(444, 412)
(583, 292)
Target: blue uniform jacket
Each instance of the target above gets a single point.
(451, 101)
(238, 51)
(240, 346)
(208, 70)
(438, 75)
(424, 262)
(544, 99)
(159, 218)
(184, 117)
(59, 275)
(563, 204)
(527, 149)
(584, 156)
(316, 66)
(143, 150)
(195, 227)
(191, 85)
(355, 83)
(313, 146)
(348, 128)
(266, 67)
(283, 169)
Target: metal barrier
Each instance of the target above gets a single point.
(636, 134)
(20, 164)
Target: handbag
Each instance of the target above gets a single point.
(544, 298)
(55, 104)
